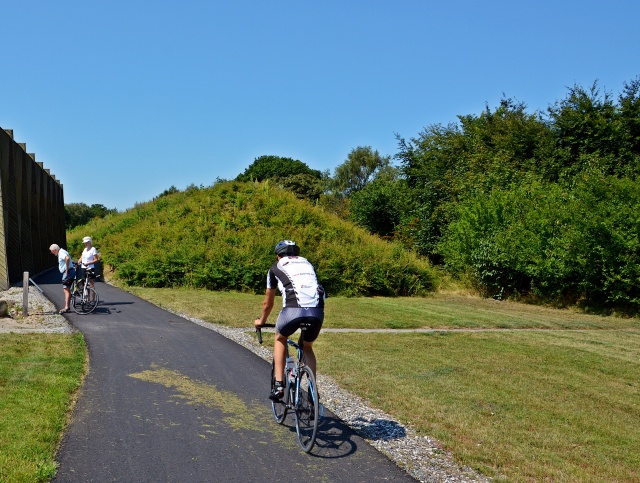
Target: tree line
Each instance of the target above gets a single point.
(78, 214)
(541, 205)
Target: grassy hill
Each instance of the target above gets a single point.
(222, 238)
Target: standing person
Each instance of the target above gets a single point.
(88, 259)
(302, 301)
(65, 265)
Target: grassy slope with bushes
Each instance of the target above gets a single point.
(222, 238)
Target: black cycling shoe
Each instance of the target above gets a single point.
(277, 391)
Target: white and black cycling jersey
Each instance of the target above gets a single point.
(296, 279)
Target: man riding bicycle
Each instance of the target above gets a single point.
(302, 302)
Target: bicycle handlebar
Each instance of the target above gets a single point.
(259, 330)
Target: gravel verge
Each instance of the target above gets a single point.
(42, 316)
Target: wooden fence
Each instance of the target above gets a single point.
(32, 213)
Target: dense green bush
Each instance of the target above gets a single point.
(444, 165)
(578, 243)
(222, 238)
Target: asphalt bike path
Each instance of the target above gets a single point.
(168, 400)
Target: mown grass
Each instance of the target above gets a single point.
(557, 399)
(440, 310)
(39, 374)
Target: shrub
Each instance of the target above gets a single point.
(580, 243)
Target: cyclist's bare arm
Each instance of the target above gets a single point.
(267, 307)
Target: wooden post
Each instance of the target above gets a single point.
(25, 294)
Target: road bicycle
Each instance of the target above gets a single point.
(84, 298)
(300, 393)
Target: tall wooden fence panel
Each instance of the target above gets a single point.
(32, 213)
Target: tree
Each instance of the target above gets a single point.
(270, 167)
(169, 191)
(378, 206)
(305, 186)
(585, 126)
(358, 170)
(446, 164)
(629, 102)
(76, 214)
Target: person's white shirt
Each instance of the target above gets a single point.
(87, 255)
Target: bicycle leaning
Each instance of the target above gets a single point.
(300, 394)
(84, 298)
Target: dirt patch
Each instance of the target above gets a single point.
(42, 315)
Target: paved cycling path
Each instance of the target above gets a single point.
(168, 400)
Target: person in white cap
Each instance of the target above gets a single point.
(88, 259)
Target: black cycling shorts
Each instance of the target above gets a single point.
(291, 318)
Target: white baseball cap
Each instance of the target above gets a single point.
(86, 239)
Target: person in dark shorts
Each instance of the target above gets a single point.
(302, 301)
(66, 268)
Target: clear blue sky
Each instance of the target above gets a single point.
(122, 99)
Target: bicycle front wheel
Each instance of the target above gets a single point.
(279, 407)
(307, 414)
(84, 303)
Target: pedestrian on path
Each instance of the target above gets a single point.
(65, 265)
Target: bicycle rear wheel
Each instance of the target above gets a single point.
(84, 305)
(279, 407)
(307, 414)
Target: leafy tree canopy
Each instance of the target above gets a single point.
(358, 170)
(592, 131)
(270, 167)
(379, 205)
(76, 214)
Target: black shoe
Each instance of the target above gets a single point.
(277, 392)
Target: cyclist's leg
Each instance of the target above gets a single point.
(285, 326)
(310, 335)
(309, 356)
(279, 355)
(277, 404)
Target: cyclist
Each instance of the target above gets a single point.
(65, 265)
(302, 301)
(88, 259)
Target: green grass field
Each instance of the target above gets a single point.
(528, 394)
(39, 374)
(555, 399)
